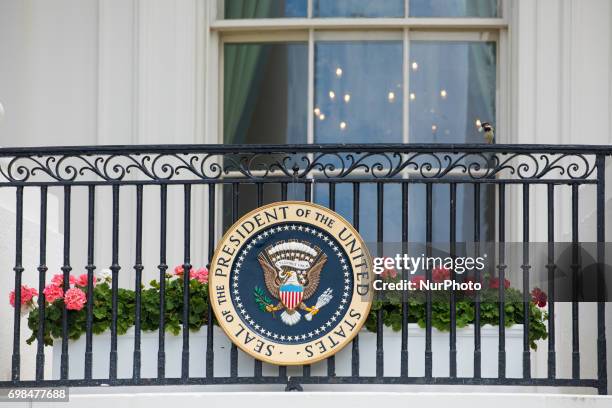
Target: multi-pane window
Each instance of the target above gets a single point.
(342, 77)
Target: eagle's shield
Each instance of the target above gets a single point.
(291, 295)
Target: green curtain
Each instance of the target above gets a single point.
(482, 69)
(241, 67)
(482, 72)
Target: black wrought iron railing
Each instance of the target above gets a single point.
(226, 181)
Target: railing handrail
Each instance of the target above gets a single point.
(307, 148)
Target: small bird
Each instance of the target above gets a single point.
(489, 132)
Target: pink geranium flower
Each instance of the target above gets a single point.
(82, 280)
(58, 279)
(53, 292)
(201, 275)
(178, 271)
(494, 283)
(75, 299)
(27, 294)
(388, 272)
(440, 274)
(416, 280)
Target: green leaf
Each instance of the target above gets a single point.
(261, 299)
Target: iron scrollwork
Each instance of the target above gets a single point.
(326, 163)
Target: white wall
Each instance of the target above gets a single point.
(561, 51)
(48, 72)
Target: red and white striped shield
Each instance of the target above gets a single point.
(291, 295)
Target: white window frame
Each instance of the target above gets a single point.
(312, 29)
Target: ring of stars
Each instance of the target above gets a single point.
(325, 327)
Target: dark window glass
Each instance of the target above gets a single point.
(265, 93)
(358, 91)
(392, 210)
(454, 8)
(441, 213)
(235, 9)
(358, 8)
(452, 90)
(368, 215)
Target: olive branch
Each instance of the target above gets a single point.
(261, 299)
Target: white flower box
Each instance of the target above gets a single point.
(367, 347)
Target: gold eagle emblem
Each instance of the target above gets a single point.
(292, 273)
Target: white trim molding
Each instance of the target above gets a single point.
(286, 24)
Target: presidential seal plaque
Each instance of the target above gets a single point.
(291, 283)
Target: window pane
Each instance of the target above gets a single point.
(454, 8)
(441, 213)
(265, 8)
(358, 92)
(265, 93)
(452, 87)
(358, 8)
(368, 215)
